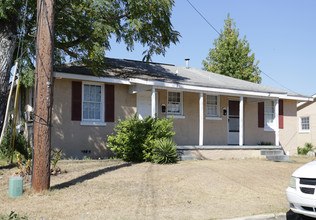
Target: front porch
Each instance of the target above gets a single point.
(208, 119)
(217, 152)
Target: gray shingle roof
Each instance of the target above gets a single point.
(124, 69)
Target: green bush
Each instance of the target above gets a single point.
(134, 139)
(165, 151)
(20, 145)
(303, 151)
(13, 216)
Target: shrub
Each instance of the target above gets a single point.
(303, 151)
(134, 139)
(13, 216)
(20, 145)
(165, 151)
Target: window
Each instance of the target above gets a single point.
(175, 103)
(304, 124)
(212, 106)
(269, 114)
(93, 102)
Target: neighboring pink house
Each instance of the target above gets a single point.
(306, 113)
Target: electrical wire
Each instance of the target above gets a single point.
(203, 17)
(277, 82)
(220, 34)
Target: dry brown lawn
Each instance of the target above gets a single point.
(205, 189)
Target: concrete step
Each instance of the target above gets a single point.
(187, 158)
(279, 158)
(272, 152)
(185, 155)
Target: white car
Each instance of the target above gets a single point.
(301, 192)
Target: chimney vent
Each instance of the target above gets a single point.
(187, 63)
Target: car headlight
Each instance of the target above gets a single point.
(293, 182)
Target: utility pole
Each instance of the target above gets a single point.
(43, 94)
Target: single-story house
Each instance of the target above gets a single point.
(306, 113)
(212, 113)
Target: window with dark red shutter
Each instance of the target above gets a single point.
(109, 103)
(260, 114)
(76, 99)
(281, 118)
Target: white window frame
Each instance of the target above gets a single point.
(270, 127)
(218, 104)
(93, 122)
(175, 114)
(301, 130)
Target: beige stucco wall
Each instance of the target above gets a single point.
(289, 135)
(308, 109)
(71, 136)
(215, 131)
(253, 135)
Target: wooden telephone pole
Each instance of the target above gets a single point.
(43, 94)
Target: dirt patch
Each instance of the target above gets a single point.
(187, 190)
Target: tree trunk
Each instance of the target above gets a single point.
(43, 94)
(8, 36)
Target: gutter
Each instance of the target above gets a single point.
(182, 87)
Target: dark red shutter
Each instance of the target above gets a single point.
(260, 114)
(281, 122)
(109, 103)
(76, 101)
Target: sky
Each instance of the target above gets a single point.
(281, 34)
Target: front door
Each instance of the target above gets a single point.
(143, 103)
(233, 122)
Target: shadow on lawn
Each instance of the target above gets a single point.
(89, 176)
(9, 166)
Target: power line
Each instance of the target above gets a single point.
(220, 34)
(277, 82)
(203, 17)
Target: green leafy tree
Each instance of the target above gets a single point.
(83, 29)
(231, 55)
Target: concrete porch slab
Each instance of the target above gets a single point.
(228, 147)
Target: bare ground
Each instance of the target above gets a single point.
(208, 189)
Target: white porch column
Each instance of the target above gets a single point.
(241, 121)
(153, 102)
(201, 130)
(276, 121)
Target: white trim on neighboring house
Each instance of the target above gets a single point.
(300, 130)
(302, 103)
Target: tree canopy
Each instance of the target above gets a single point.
(83, 28)
(231, 55)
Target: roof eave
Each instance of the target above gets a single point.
(180, 86)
